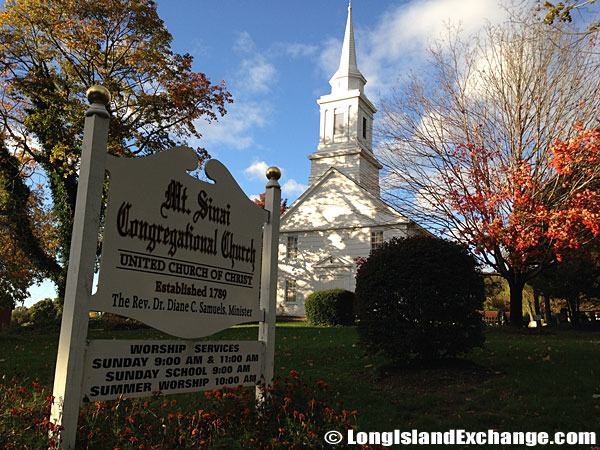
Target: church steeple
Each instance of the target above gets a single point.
(348, 76)
(346, 136)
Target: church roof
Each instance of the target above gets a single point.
(337, 201)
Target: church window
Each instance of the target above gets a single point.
(292, 248)
(364, 128)
(376, 240)
(290, 290)
(338, 123)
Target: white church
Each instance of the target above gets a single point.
(340, 217)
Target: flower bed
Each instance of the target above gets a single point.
(296, 415)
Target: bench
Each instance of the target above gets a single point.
(491, 317)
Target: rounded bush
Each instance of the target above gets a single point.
(330, 307)
(418, 298)
(46, 313)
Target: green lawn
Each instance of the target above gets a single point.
(519, 381)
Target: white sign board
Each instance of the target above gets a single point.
(140, 368)
(179, 254)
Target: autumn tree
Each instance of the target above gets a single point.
(17, 272)
(260, 201)
(479, 146)
(51, 51)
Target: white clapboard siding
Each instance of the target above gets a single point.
(332, 222)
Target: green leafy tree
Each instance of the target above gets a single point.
(46, 313)
(17, 272)
(51, 51)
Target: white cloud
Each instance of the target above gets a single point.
(298, 50)
(398, 41)
(255, 76)
(199, 48)
(235, 129)
(291, 188)
(257, 170)
(329, 59)
(251, 109)
(244, 43)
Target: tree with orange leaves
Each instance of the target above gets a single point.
(495, 146)
(50, 53)
(260, 201)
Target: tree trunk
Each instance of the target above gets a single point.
(5, 316)
(536, 301)
(573, 309)
(516, 302)
(536, 307)
(547, 309)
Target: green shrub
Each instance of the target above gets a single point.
(46, 313)
(418, 298)
(20, 316)
(114, 322)
(330, 307)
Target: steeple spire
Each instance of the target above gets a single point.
(345, 135)
(348, 74)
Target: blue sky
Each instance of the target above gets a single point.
(277, 57)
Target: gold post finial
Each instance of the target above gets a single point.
(98, 94)
(273, 173)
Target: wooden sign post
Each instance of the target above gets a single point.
(73, 331)
(179, 254)
(268, 295)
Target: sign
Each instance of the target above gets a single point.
(179, 254)
(140, 368)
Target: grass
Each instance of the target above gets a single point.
(519, 381)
